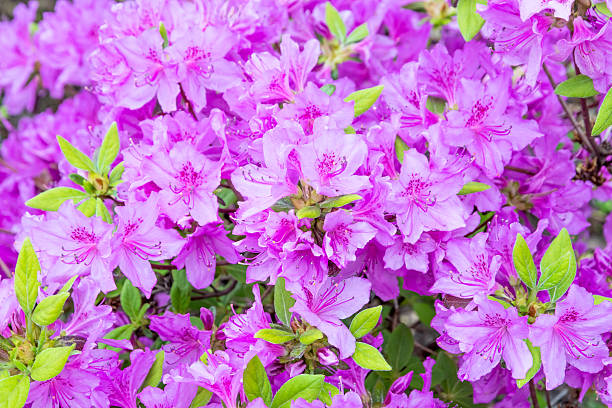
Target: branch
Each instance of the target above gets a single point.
(216, 293)
(534, 395)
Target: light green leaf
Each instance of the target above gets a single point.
(26, 276)
(109, 150)
(364, 98)
(283, 301)
(306, 386)
(334, 22)
(201, 399)
(130, 300)
(603, 9)
(311, 211)
(155, 373)
(51, 200)
(580, 86)
(365, 321)
(68, 285)
(164, 34)
(329, 89)
(74, 156)
(49, 309)
(19, 394)
(473, 187)
(558, 265)
(180, 292)
(310, 336)
(535, 367)
(600, 299)
(368, 357)
(102, 211)
(329, 391)
(340, 201)
(604, 116)
(50, 362)
(274, 336)
(400, 148)
(114, 178)
(256, 383)
(523, 262)
(358, 34)
(470, 22)
(88, 207)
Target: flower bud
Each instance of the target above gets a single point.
(327, 357)
(208, 318)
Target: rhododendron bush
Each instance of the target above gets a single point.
(306, 204)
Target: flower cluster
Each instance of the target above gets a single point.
(294, 204)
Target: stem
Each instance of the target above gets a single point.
(534, 395)
(586, 118)
(188, 103)
(548, 399)
(586, 142)
(163, 267)
(519, 170)
(214, 294)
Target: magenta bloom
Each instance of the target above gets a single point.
(138, 241)
(423, 199)
(474, 269)
(81, 244)
(198, 255)
(174, 395)
(186, 342)
(561, 8)
(125, 383)
(344, 236)
(573, 335)
(324, 303)
(187, 179)
(330, 162)
(487, 335)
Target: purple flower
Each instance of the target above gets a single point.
(81, 244)
(330, 161)
(324, 303)
(198, 255)
(186, 342)
(188, 180)
(138, 240)
(343, 236)
(424, 199)
(487, 335)
(125, 383)
(561, 8)
(174, 395)
(573, 335)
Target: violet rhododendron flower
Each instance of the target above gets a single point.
(272, 203)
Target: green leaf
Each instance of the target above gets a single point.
(329, 89)
(365, 321)
(400, 148)
(50, 362)
(164, 34)
(306, 386)
(364, 98)
(120, 333)
(88, 207)
(435, 105)
(155, 373)
(114, 178)
(77, 179)
(255, 382)
(473, 187)
(130, 300)
(368, 357)
(580, 86)
(329, 391)
(470, 22)
(180, 292)
(201, 399)
(398, 346)
(68, 285)
(340, 201)
(600, 299)
(603, 9)
(74, 156)
(26, 277)
(310, 336)
(109, 150)
(7, 385)
(349, 130)
(604, 116)
(311, 211)
(283, 301)
(19, 394)
(51, 200)
(49, 309)
(358, 34)
(102, 211)
(334, 23)
(523, 262)
(537, 363)
(274, 336)
(558, 265)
